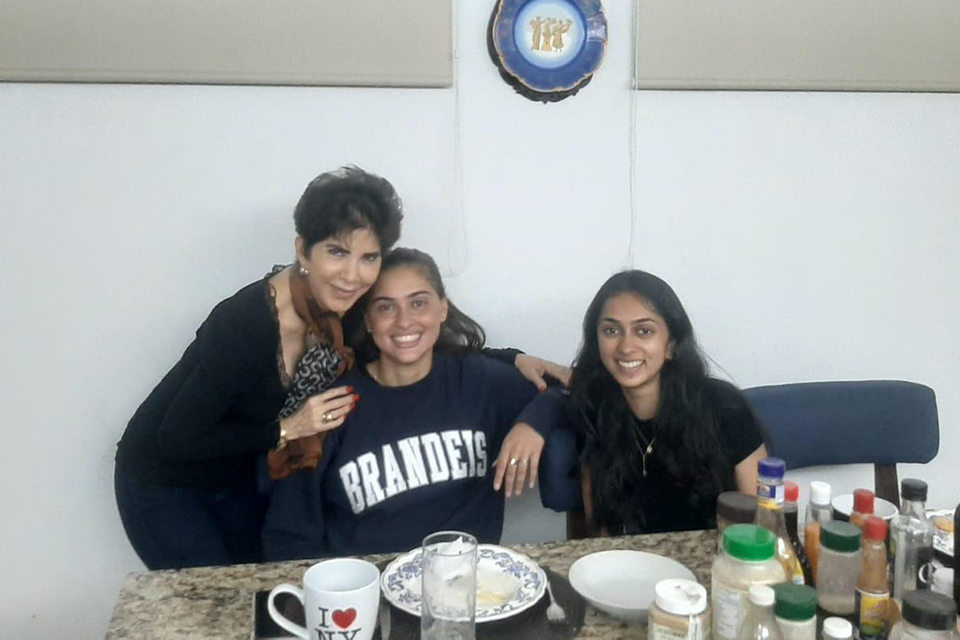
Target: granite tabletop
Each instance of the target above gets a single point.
(216, 602)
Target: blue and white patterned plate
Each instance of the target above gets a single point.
(400, 581)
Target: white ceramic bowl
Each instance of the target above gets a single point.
(622, 583)
(843, 505)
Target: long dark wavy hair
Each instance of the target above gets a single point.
(458, 333)
(686, 429)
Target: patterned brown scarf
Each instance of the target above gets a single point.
(315, 372)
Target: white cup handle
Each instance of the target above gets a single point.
(283, 622)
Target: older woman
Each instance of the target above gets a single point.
(257, 377)
(439, 431)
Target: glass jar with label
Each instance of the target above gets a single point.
(748, 558)
(733, 508)
(679, 611)
(796, 611)
(926, 616)
(839, 568)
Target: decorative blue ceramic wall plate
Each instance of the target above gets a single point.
(549, 48)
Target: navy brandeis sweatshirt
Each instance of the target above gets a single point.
(408, 461)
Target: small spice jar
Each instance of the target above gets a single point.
(679, 611)
(839, 568)
(926, 616)
(796, 611)
(747, 559)
(837, 629)
(734, 507)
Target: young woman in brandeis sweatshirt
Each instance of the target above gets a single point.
(440, 430)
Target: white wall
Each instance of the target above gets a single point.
(810, 235)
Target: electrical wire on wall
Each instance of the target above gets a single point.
(457, 229)
(631, 237)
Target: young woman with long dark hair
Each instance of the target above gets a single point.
(439, 431)
(660, 438)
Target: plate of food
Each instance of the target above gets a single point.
(622, 583)
(508, 582)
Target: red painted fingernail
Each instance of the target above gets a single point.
(352, 406)
(349, 389)
(356, 397)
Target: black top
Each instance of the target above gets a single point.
(407, 462)
(664, 504)
(216, 410)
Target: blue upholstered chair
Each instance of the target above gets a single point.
(879, 422)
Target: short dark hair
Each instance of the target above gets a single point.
(341, 201)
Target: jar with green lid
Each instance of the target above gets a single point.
(926, 616)
(838, 569)
(748, 558)
(796, 611)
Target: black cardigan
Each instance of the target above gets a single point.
(206, 422)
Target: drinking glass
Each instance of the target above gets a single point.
(449, 586)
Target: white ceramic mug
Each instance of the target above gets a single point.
(340, 599)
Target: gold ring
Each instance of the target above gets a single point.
(513, 462)
(327, 417)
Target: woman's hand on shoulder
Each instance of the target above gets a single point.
(322, 412)
(534, 369)
(519, 459)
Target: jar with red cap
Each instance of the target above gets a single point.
(791, 496)
(873, 588)
(863, 504)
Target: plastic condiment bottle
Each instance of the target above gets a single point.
(760, 623)
(837, 629)
(818, 511)
(839, 568)
(926, 616)
(791, 495)
(770, 498)
(679, 611)
(911, 539)
(734, 507)
(796, 611)
(863, 505)
(873, 588)
(748, 559)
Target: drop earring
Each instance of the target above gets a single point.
(304, 271)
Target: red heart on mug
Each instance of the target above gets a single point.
(344, 618)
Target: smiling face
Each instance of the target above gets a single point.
(342, 268)
(404, 318)
(634, 342)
